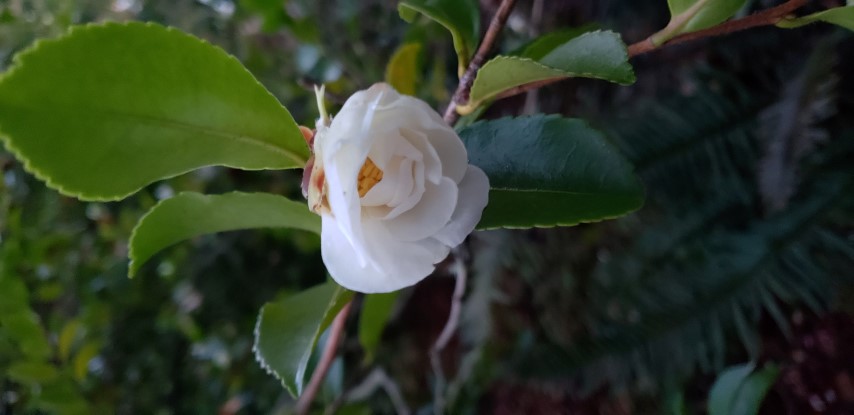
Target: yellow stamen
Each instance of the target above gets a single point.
(369, 176)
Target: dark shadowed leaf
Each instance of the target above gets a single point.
(549, 171)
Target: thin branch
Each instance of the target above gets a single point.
(763, 18)
(462, 93)
(307, 397)
(377, 379)
(448, 331)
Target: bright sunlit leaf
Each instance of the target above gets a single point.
(106, 109)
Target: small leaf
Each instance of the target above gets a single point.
(192, 214)
(460, 17)
(107, 109)
(32, 372)
(600, 55)
(82, 359)
(24, 327)
(376, 310)
(402, 71)
(693, 15)
(287, 331)
(67, 336)
(547, 171)
(840, 16)
(740, 391)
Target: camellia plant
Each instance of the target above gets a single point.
(392, 186)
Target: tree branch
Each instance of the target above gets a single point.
(448, 331)
(461, 95)
(763, 18)
(307, 397)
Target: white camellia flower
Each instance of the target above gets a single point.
(393, 186)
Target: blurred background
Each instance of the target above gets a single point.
(744, 251)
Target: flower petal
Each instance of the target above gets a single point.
(428, 216)
(473, 198)
(393, 265)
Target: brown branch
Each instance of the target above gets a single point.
(461, 95)
(763, 18)
(307, 397)
(451, 326)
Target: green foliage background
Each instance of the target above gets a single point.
(747, 224)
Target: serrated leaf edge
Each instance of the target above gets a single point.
(548, 117)
(133, 265)
(336, 296)
(82, 195)
(562, 73)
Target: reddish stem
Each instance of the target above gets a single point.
(307, 397)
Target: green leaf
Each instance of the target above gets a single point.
(600, 55)
(15, 296)
(32, 372)
(287, 331)
(840, 16)
(24, 327)
(192, 214)
(61, 397)
(541, 46)
(67, 336)
(460, 17)
(402, 71)
(740, 391)
(82, 359)
(547, 171)
(106, 109)
(693, 15)
(376, 310)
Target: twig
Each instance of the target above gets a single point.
(764, 18)
(462, 93)
(377, 379)
(448, 331)
(307, 397)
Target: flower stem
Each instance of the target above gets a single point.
(307, 397)
(448, 331)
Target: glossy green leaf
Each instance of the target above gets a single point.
(548, 171)
(192, 214)
(840, 16)
(106, 109)
(600, 55)
(541, 46)
(693, 15)
(376, 310)
(740, 391)
(460, 17)
(287, 331)
(402, 71)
